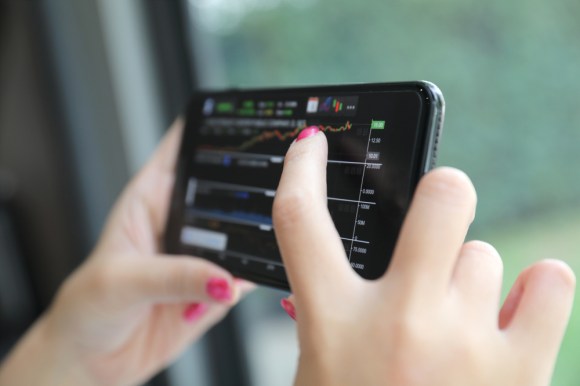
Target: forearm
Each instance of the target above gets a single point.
(39, 359)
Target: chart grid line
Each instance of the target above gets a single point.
(362, 180)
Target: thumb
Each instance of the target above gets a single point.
(170, 279)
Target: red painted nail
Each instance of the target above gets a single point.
(289, 308)
(307, 132)
(194, 311)
(219, 289)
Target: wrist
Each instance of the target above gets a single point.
(41, 358)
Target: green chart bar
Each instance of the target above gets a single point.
(377, 125)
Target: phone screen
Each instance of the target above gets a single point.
(381, 139)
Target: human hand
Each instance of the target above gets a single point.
(435, 316)
(128, 311)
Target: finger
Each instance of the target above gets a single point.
(207, 316)
(244, 287)
(477, 280)
(194, 311)
(433, 232)
(311, 248)
(170, 279)
(147, 196)
(165, 156)
(536, 311)
(158, 176)
(179, 332)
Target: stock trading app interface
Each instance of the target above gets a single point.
(233, 158)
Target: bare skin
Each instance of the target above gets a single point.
(128, 311)
(435, 318)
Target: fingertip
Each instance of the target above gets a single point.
(240, 288)
(194, 311)
(550, 274)
(541, 298)
(449, 184)
(166, 154)
(244, 286)
(450, 173)
(288, 306)
(183, 278)
(560, 272)
(537, 311)
(178, 123)
(307, 132)
(221, 289)
(479, 248)
(316, 145)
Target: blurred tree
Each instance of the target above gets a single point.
(510, 72)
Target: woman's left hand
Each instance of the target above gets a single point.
(129, 310)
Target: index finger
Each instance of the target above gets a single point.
(311, 248)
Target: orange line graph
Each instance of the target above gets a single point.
(283, 136)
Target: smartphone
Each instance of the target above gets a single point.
(381, 139)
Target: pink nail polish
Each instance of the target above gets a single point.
(307, 132)
(194, 311)
(219, 289)
(289, 308)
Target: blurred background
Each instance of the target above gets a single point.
(87, 88)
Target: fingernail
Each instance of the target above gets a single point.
(194, 311)
(289, 308)
(307, 132)
(219, 289)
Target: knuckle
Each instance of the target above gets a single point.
(412, 350)
(179, 280)
(101, 279)
(473, 359)
(409, 334)
(419, 350)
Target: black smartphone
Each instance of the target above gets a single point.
(382, 138)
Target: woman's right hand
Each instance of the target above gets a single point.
(435, 317)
